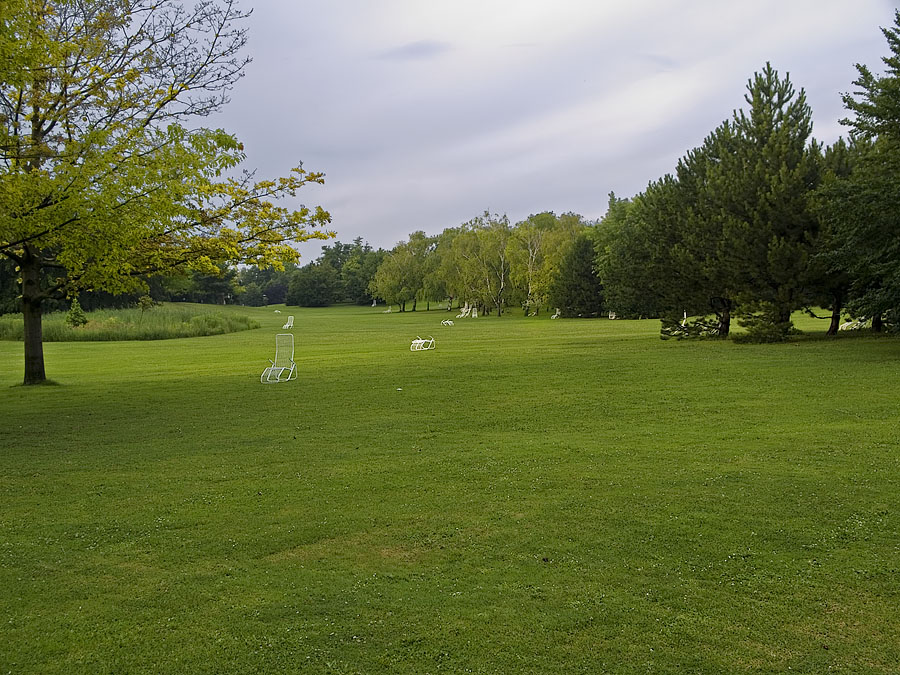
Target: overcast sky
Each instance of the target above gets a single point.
(425, 113)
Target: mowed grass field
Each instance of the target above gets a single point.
(532, 496)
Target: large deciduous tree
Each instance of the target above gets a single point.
(401, 275)
(484, 258)
(101, 181)
(534, 257)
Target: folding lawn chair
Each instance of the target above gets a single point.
(283, 367)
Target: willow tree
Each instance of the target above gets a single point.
(101, 180)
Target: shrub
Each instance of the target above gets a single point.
(75, 316)
(765, 326)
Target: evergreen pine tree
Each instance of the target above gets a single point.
(762, 191)
(577, 290)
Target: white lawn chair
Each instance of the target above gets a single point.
(464, 312)
(283, 367)
(290, 322)
(447, 322)
(421, 344)
(854, 325)
(556, 316)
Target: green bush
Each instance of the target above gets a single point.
(76, 317)
(765, 327)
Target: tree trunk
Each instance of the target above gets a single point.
(835, 315)
(724, 327)
(783, 314)
(31, 310)
(877, 323)
(722, 309)
(723, 319)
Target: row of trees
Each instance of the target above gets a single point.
(762, 220)
(342, 273)
(757, 222)
(485, 262)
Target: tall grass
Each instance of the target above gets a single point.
(160, 323)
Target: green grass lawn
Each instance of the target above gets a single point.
(532, 496)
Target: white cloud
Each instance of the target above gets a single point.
(423, 114)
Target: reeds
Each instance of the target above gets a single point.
(160, 323)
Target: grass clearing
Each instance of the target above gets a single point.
(532, 496)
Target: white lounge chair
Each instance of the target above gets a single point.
(447, 322)
(283, 367)
(290, 322)
(464, 312)
(556, 316)
(421, 344)
(854, 325)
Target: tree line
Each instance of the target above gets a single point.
(107, 182)
(762, 220)
(485, 263)
(757, 222)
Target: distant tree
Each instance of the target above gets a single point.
(830, 282)
(634, 270)
(336, 256)
(419, 249)
(577, 289)
(256, 282)
(9, 288)
(399, 278)
(313, 285)
(358, 271)
(527, 250)
(482, 257)
(452, 272)
(251, 295)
